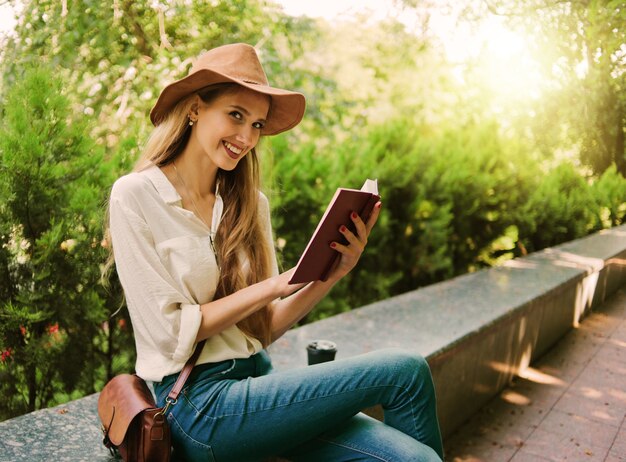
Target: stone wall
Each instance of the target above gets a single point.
(478, 330)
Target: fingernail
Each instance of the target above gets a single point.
(354, 215)
(343, 229)
(333, 244)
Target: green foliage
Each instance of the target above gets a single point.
(52, 306)
(453, 201)
(610, 193)
(579, 46)
(114, 58)
(560, 208)
(449, 198)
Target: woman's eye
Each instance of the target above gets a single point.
(237, 115)
(258, 125)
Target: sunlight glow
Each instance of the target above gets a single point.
(501, 61)
(509, 68)
(584, 296)
(592, 393)
(535, 375)
(523, 264)
(501, 367)
(503, 43)
(571, 260)
(7, 17)
(514, 397)
(618, 342)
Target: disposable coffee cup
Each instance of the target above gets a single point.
(321, 351)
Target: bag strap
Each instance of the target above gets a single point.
(184, 374)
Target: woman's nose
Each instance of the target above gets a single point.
(248, 136)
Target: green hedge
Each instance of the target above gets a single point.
(453, 201)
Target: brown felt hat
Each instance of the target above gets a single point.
(240, 64)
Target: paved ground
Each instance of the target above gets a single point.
(570, 406)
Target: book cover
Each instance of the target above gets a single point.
(318, 257)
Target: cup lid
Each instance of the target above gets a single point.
(323, 345)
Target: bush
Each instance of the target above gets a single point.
(609, 192)
(560, 208)
(54, 339)
(447, 202)
(453, 202)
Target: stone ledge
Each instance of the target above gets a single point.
(476, 331)
(69, 432)
(479, 329)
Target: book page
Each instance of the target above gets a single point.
(370, 186)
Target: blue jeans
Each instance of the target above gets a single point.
(239, 410)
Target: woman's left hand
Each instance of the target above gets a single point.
(351, 252)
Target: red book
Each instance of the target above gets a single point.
(318, 257)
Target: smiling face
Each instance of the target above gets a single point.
(228, 127)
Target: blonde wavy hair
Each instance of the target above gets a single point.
(240, 233)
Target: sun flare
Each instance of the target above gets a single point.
(509, 67)
(502, 65)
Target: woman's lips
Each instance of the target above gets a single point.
(233, 151)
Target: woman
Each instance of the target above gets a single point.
(194, 251)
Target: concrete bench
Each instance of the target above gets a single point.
(477, 331)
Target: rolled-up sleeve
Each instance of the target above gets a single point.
(162, 316)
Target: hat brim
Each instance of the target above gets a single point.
(286, 107)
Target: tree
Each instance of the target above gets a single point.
(116, 56)
(582, 48)
(52, 307)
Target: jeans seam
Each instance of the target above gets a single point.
(353, 448)
(186, 435)
(295, 402)
(412, 406)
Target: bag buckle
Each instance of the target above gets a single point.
(168, 402)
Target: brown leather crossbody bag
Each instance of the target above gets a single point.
(132, 423)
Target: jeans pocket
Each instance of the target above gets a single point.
(186, 447)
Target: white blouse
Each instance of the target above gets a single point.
(167, 268)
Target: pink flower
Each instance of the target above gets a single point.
(6, 354)
(53, 328)
(23, 331)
